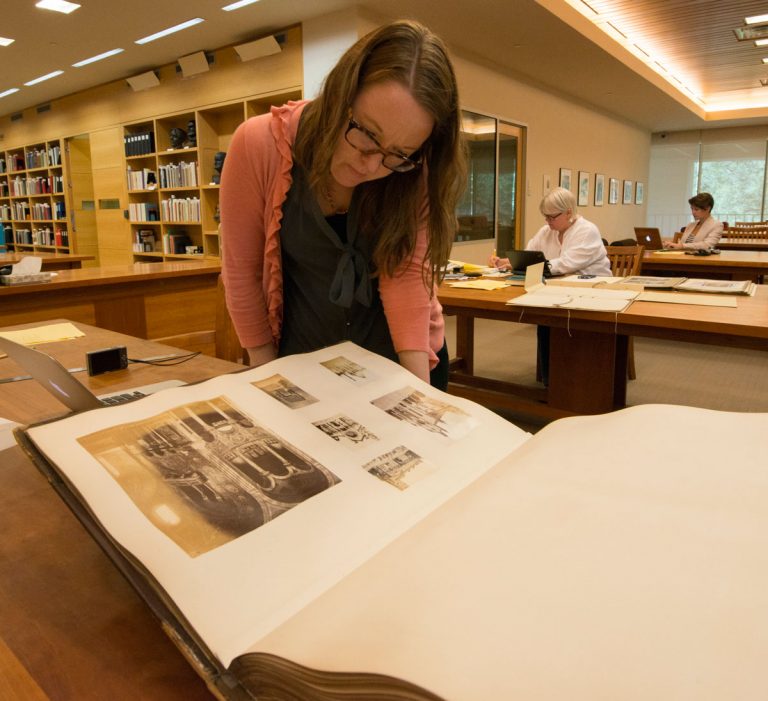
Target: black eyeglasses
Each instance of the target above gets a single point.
(358, 137)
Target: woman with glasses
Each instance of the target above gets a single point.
(338, 213)
(569, 242)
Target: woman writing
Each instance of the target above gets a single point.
(569, 242)
(337, 213)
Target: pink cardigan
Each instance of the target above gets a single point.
(254, 184)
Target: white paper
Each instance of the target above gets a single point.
(6, 433)
(28, 265)
(236, 592)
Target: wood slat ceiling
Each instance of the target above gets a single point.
(695, 40)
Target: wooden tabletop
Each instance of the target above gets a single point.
(733, 258)
(51, 261)
(71, 628)
(745, 325)
(135, 272)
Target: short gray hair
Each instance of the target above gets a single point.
(558, 200)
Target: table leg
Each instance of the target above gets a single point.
(465, 343)
(584, 374)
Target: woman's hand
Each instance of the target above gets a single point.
(671, 245)
(260, 355)
(496, 262)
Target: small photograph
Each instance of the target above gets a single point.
(346, 431)
(282, 389)
(627, 192)
(434, 415)
(206, 473)
(565, 178)
(583, 196)
(639, 192)
(348, 369)
(613, 191)
(599, 189)
(401, 467)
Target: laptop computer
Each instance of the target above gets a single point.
(52, 375)
(519, 261)
(650, 237)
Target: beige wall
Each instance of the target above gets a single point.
(561, 133)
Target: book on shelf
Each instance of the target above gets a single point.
(327, 526)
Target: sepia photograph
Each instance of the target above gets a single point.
(282, 389)
(434, 415)
(205, 473)
(346, 431)
(348, 369)
(400, 467)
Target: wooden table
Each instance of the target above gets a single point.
(740, 244)
(731, 265)
(51, 261)
(172, 303)
(588, 350)
(71, 628)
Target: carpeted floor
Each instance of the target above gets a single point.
(668, 372)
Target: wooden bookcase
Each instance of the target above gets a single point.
(173, 199)
(34, 202)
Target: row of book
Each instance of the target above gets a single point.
(40, 185)
(143, 211)
(43, 157)
(176, 242)
(139, 144)
(144, 241)
(44, 236)
(181, 209)
(181, 174)
(144, 179)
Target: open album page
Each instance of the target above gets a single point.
(248, 495)
(566, 572)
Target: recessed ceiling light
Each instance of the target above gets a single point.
(765, 60)
(44, 77)
(57, 6)
(238, 5)
(100, 57)
(9, 92)
(6, 42)
(756, 19)
(761, 42)
(170, 30)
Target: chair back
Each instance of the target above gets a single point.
(625, 260)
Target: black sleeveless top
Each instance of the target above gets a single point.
(329, 295)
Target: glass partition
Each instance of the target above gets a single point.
(491, 203)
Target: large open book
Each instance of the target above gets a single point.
(329, 527)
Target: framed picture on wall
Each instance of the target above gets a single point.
(639, 192)
(565, 178)
(583, 196)
(613, 191)
(546, 185)
(627, 192)
(599, 189)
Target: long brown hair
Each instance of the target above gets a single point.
(393, 207)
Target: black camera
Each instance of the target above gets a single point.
(107, 360)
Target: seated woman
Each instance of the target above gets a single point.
(571, 244)
(704, 231)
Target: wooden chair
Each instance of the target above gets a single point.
(625, 262)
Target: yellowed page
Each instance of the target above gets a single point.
(622, 556)
(248, 495)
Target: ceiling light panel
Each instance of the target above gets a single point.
(6, 42)
(170, 30)
(57, 6)
(47, 76)
(238, 5)
(100, 57)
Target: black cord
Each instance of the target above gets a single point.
(172, 360)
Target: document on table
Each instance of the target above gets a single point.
(6, 433)
(481, 284)
(43, 334)
(585, 298)
(705, 300)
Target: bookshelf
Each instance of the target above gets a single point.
(34, 204)
(173, 196)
